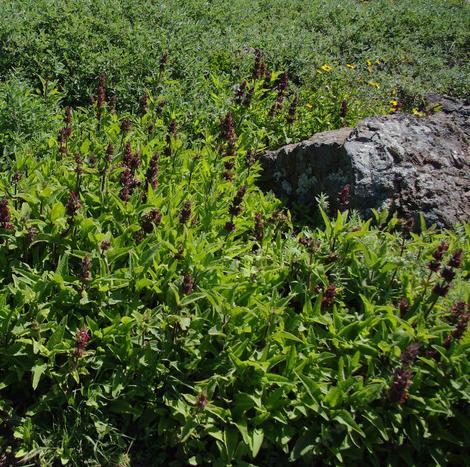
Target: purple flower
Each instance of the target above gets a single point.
(109, 153)
(409, 355)
(305, 241)
(5, 216)
(401, 383)
(403, 306)
(78, 163)
(329, 296)
(240, 93)
(448, 274)
(185, 214)
(227, 134)
(64, 135)
(101, 100)
(229, 164)
(441, 290)
(81, 340)
(259, 67)
(144, 102)
(458, 309)
(68, 116)
(228, 175)
(172, 134)
(343, 110)
(235, 207)
(105, 245)
(292, 110)
(112, 103)
(128, 183)
(73, 204)
(125, 193)
(16, 177)
(85, 275)
(434, 266)
(440, 250)
(284, 83)
(32, 232)
(188, 284)
(251, 158)
(172, 128)
(259, 227)
(161, 105)
(151, 220)
(229, 226)
(459, 330)
(152, 172)
(201, 401)
(456, 259)
(125, 126)
(234, 210)
(344, 198)
(131, 160)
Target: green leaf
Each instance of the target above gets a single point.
(256, 441)
(280, 335)
(339, 223)
(37, 371)
(326, 220)
(230, 442)
(58, 335)
(57, 211)
(62, 267)
(334, 397)
(346, 419)
(368, 393)
(85, 147)
(291, 359)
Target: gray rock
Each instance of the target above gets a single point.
(406, 164)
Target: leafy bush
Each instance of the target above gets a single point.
(422, 46)
(27, 117)
(157, 308)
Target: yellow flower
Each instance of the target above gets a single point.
(326, 67)
(308, 105)
(350, 66)
(393, 103)
(378, 62)
(417, 113)
(374, 84)
(369, 63)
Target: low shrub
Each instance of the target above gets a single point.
(157, 308)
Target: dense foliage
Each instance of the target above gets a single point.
(421, 45)
(156, 307)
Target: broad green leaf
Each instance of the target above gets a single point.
(58, 334)
(57, 211)
(37, 371)
(334, 397)
(346, 418)
(257, 441)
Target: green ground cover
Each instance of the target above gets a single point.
(156, 307)
(422, 45)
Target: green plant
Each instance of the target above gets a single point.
(150, 291)
(413, 47)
